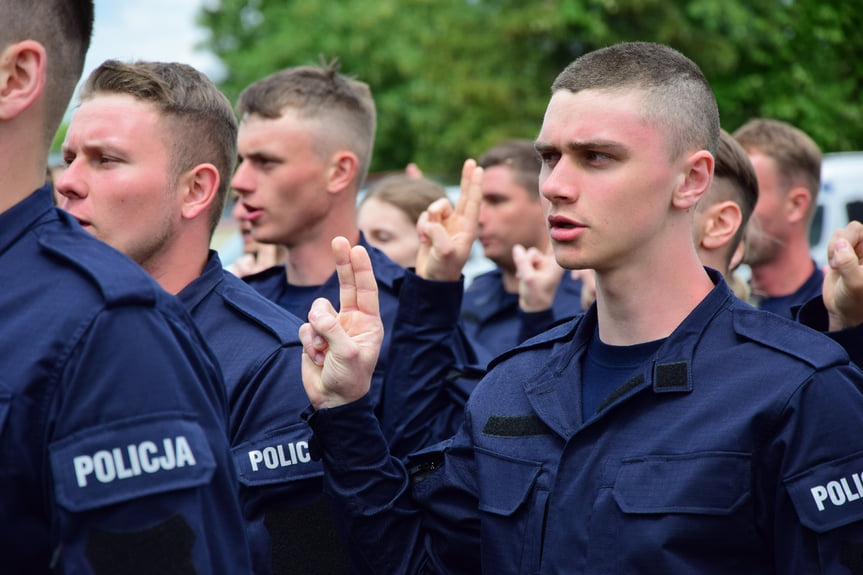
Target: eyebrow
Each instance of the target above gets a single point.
(582, 145)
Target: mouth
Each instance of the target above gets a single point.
(564, 229)
(252, 213)
(560, 222)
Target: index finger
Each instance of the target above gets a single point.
(366, 284)
(347, 276)
(470, 194)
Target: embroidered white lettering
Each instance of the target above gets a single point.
(134, 460)
(274, 457)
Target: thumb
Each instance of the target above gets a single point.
(844, 259)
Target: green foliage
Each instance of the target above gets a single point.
(453, 77)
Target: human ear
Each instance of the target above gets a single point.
(797, 202)
(342, 171)
(199, 188)
(696, 178)
(722, 220)
(22, 77)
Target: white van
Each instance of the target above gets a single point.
(840, 199)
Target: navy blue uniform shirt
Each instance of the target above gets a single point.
(275, 286)
(494, 322)
(787, 305)
(113, 455)
(289, 521)
(735, 449)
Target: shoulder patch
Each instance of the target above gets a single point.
(789, 337)
(829, 495)
(129, 459)
(251, 304)
(279, 456)
(556, 333)
(119, 279)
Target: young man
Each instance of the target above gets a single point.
(150, 153)
(618, 442)
(511, 214)
(788, 165)
(113, 455)
(305, 142)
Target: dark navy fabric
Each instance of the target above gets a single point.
(494, 322)
(433, 367)
(274, 285)
(730, 454)
(786, 305)
(607, 367)
(814, 314)
(112, 409)
(258, 347)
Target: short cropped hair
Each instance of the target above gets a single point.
(64, 28)
(797, 156)
(678, 97)
(343, 105)
(411, 195)
(201, 124)
(521, 156)
(733, 165)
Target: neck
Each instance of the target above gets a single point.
(647, 302)
(22, 171)
(510, 280)
(179, 264)
(312, 263)
(785, 274)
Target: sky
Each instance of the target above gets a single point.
(162, 30)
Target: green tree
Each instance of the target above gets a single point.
(453, 77)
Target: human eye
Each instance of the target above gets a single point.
(549, 158)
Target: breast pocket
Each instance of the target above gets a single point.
(663, 511)
(513, 510)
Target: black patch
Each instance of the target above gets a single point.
(621, 391)
(305, 540)
(672, 377)
(165, 548)
(851, 557)
(515, 426)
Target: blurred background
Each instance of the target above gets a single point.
(453, 77)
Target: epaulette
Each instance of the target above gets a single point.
(119, 279)
(789, 337)
(283, 325)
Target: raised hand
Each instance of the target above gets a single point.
(340, 349)
(842, 290)
(539, 276)
(447, 233)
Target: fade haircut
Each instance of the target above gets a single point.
(410, 195)
(200, 121)
(519, 155)
(343, 106)
(64, 28)
(677, 96)
(733, 165)
(797, 156)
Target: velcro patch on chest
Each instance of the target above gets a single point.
(130, 459)
(829, 495)
(277, 457)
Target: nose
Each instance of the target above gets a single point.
(242, 182)
(70, 184)
(557, 184)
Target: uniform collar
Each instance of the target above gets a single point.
(213, 274)
(669, 372)
(15, 221)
